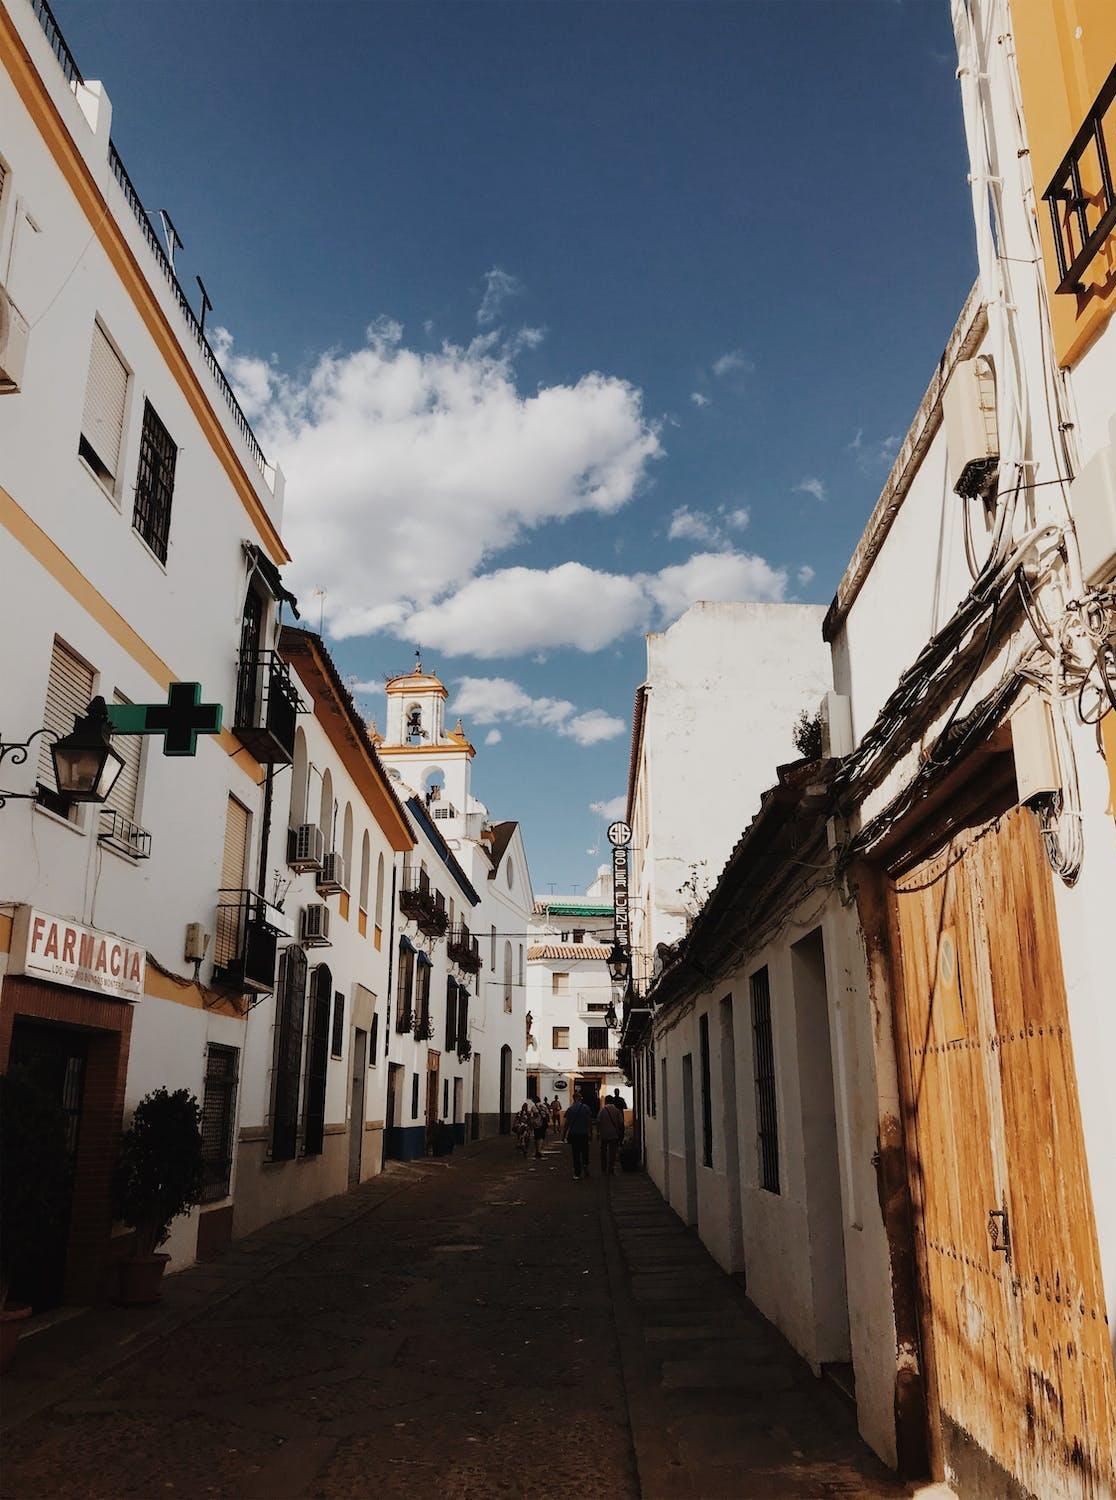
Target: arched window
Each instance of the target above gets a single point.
(415, 733)
(300, 771)
(365, 859)
(325, 817)
(290, 1004)
(347, 855)
(380, 893)
(507, 976)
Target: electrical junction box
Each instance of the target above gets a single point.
(197, 942)
(971, 427)
(1036, 758)
(1093, 507)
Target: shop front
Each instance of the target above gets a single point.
(66, 1006)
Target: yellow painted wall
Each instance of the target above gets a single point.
(1066, 49)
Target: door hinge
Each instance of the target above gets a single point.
(1000, 1233)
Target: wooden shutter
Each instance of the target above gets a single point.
(125, 789)
(69, 689)
(102, 421)
(236, 847)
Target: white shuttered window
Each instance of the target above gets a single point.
(125, 789)
(236, 847)
(69, 689)
(102, 421)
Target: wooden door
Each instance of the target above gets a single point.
(433, 1065)
(1022, 1388)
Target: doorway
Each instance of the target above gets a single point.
(476, 1118)
(356, 1116)
(689, 1138)
(459, 1111)
(53, 1060)
(505, 1090)
(824, 1213)
(393, 1133)
(433, 1065)
(1021, 1387)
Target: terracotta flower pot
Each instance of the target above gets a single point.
(141, 1279)
(11, 1327)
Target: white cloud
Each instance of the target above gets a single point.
(499, 285)
(804, 575)
(707, 526)
(407, 471)
(876, 453)
(488, 700)
(698, 399)
(692, 525)
(812, 486)
(614, 808)
(731, 363)
(510, 612)
(493, 737)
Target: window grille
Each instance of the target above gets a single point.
(767, 1119)
(462, 1015)
(155, 483)
(69, 689)
(422, 994)
(102, 418)
(706, 1101)
(290, 1011)
(403, 1016)
(337, 1041)
(317, 1061)
(451, 1014)
(218, 1124)
(596, 1036)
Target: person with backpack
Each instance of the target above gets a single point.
(610, 1132)
(575, 1129)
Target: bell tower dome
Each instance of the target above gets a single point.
(419, 751)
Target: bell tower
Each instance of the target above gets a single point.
(431, 762)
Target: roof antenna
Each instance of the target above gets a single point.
(171, 235)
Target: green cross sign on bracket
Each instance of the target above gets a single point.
(179, 720)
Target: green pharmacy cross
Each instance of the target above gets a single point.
(179, 720)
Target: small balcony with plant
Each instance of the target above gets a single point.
(463, 949)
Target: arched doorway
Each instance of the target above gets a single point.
(505, 1090)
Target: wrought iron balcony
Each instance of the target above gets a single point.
(463, 950)
(420, 903)
(424, 1028)
(120, 833)
(244, 943)
(267, 706)
(1082, 219)
(596, 1057)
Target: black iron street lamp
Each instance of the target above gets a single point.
(85, 764)
(618, 963)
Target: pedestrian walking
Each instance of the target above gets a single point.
(556, 1113)
(610, 1132)
(540, 1115)
(523, 1127)
(575, 1129)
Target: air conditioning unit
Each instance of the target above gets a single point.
(305, 847)
(197, 942)
(13, 345)
(971, 429)
(315, 925)
(333, 877)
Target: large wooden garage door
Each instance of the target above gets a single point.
(1019, 1354)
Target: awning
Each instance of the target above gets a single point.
(267, 570)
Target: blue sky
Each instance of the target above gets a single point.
(556, 315)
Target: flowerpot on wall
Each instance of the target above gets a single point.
(11, 1328)
(141, 1279)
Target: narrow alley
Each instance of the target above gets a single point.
(483, 1327)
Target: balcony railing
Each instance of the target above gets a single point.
(244, 943)
(53, 34)
(463, 950)
(596, 1057)
(120, 833)
(267, 706)
(420, 903)
(1077, 240)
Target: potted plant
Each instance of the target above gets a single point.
(34, 1191)
(158, 1177)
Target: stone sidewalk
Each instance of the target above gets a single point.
(719, 1403)
(461, 1328)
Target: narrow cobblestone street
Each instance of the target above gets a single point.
(486, 1327)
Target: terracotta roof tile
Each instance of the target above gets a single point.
(569, 950)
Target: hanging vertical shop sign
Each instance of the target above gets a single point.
(619, 836)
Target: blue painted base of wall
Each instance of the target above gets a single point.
(404, 1142)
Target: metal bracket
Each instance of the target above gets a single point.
(1000, 1233)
